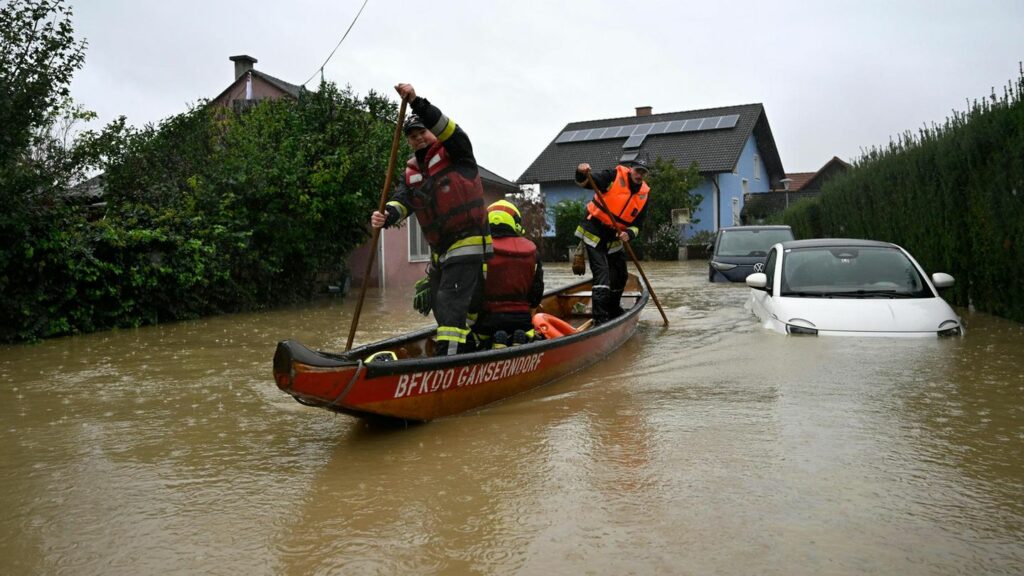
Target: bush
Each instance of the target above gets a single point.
(663, 243)
(568, 215)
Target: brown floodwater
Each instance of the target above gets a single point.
(708, 447)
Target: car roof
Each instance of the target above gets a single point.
(830, 242)
(759, 227)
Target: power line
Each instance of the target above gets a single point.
(321, 69)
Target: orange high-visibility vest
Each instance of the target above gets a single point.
(624, 205)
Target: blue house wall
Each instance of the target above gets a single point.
(731, 185)
(750, 167)
(557, 193)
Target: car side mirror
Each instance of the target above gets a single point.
(758, 281)
(942, 280)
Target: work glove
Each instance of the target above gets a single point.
(423, 296)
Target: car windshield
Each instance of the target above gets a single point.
(851, 272)
(751, 242)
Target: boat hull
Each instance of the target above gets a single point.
(425, 388)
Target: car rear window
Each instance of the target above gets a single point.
(751, 242)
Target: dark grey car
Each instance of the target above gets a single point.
(738, 251)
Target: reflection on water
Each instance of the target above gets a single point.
(710, 446)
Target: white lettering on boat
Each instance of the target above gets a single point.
(419, 383)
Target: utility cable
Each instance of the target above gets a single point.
(331, 55)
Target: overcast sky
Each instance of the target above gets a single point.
(835, 77)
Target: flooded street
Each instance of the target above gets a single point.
(708, 447)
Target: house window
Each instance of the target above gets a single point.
(419, 250)
(757, 167)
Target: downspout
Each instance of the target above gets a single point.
(718, 200)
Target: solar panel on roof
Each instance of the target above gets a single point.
(709, 123)
(729, 121)
(635, 132)
(634, 141)
(691, 125)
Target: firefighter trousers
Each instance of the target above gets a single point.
(609, 279)
(459, 292)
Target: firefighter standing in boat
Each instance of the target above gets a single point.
(614, 216)
(442, 187)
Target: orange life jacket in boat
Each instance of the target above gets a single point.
(551, 326)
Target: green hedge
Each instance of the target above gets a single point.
(953, 195)
(211, 211)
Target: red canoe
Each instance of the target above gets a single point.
(417, 386)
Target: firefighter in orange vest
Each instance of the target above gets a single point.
(514, 284)
(614, 216)
(442, 187)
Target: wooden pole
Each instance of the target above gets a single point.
(375, 237)
(629, 249)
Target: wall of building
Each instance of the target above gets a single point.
(553, 194)
(749, 167)
(399, 271)
(261, 90)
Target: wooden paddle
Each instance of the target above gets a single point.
(629, 249)
(376, 231)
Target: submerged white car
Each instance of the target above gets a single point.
(842, 287)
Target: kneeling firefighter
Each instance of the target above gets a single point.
(514, 283)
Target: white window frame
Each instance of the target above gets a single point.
(419, 250)
(757, 167)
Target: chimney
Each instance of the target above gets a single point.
(243, 63)
(643, 110)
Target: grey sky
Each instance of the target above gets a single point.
(835, 77)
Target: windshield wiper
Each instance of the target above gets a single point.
(803, 294)
(873, 294)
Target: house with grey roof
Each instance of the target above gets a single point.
(732, 145)
(797, 186)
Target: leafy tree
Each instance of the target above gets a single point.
(531, 208)
(670, 188)
(38, 56)
(42, 241)
(568, 214)
(245, 209)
